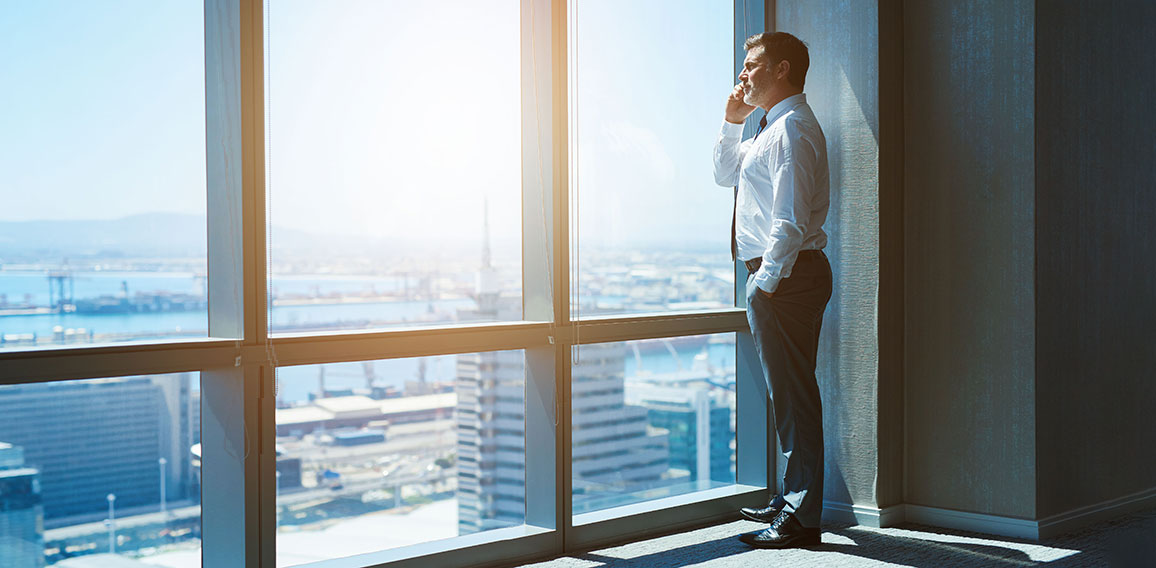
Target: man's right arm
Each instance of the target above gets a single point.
(728, 148)
(728, 154)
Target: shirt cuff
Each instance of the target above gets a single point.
(732, 130)
(765, 281)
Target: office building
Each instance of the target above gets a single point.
(21, 512)
(92, 438)
(700, 424)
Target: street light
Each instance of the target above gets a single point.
(164, 506)
(276, 497)
(111, 522)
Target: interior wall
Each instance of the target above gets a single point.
(842, 87)
(969, 263)
(1096, 207)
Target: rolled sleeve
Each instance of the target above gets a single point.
(728, 154)
(731, 130)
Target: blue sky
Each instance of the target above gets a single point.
(102, 108)
(378, 110)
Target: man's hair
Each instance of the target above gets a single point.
(778, 46)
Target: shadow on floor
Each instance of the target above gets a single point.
(1126, 549)
(900, 551)
(925, 553)
(1126, 543)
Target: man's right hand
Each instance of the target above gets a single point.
(737, 111)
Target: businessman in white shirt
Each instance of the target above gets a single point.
(781, 202)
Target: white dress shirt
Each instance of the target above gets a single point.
(783, 187)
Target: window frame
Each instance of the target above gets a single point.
(238, 360)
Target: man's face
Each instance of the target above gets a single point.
(758, 78)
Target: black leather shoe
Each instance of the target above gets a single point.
(785, 532)
(766, 514)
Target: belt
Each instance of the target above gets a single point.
(754, 263)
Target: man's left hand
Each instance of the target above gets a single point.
(765, 293)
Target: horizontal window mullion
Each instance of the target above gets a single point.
(44, 365)
(147, 358)
(498, 547)
(350, 346)
(618, 328)
(654, 518)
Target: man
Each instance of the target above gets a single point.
(781, 201)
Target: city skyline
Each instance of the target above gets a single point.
(120, 235)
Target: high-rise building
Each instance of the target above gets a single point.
(21, 512)
(180, 424)
(95, 437)
(491, 440)
(700, 424)
(615, 451)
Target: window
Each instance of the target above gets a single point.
(652, 418)
(402, 267)
(102, 149)
(652, 227)
(409, 450)
(374, 115)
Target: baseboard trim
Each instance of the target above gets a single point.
(974, 522)
(835, 512)
(1107, 510)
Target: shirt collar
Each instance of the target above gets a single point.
(784, 105)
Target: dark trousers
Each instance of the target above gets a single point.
(786, 332)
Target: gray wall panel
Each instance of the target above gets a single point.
(1096, 206)
(968, 205)
(843, 89)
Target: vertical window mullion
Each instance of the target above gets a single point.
(560, 55)
(229, 533)
(539, 291)
(232, 424)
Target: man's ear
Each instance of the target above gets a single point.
(783, 69)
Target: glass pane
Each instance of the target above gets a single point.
(652, 418)
(403, 450)
(394, 165)
(653, 227)
(83, 466)
(102, 170)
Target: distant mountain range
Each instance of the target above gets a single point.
(153, 234)
(177, 235)
(172, 235)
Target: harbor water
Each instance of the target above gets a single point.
(295, 383)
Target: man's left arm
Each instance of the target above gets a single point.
(793, 179)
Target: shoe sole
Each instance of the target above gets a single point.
(756, 519)
(801, 542)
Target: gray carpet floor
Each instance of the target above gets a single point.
(1128, 542)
